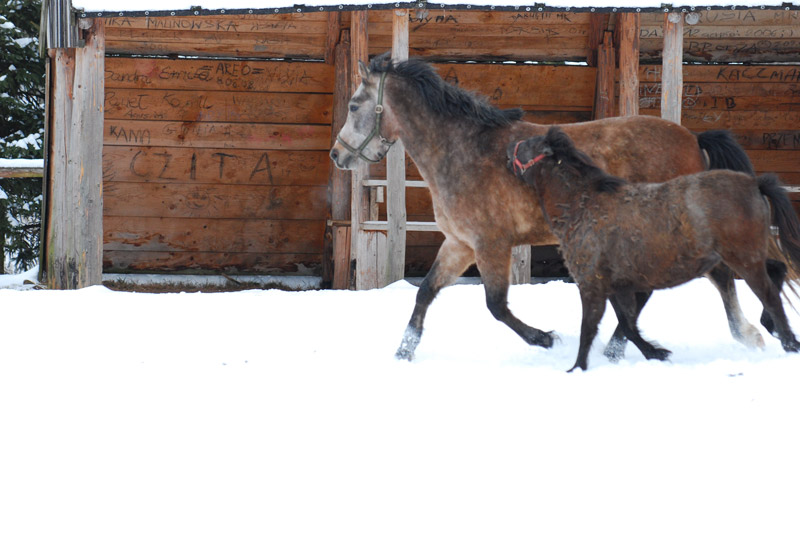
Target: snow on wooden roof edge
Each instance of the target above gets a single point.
(143, 8)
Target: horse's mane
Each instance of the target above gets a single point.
(443, 98)
(571, 157)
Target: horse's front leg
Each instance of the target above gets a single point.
(593, 302)
(452, 260)
(615, 349)
(628, 306)
(742, 330)
(495, 269)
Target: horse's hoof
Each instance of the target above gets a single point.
(404, 354)
(661, 354)
(615, 350)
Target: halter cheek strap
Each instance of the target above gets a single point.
(376, 131)
(524, 167)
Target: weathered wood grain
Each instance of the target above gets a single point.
(228, 75)
(215, 166)
(217, 106)
(214, 201)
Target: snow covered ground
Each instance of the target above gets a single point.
(281, 413)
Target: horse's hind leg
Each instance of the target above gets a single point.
(451, 261)
(495, 271)
(615, 349)
(627, 305)
(742, 330)
(766, 291)
(776, 270)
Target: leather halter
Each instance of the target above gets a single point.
(524, 167)
(359, 152)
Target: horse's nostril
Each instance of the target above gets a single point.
(334, 154)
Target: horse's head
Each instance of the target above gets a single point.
(361, 136)
(556, 150)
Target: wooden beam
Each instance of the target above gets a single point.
(396, 171)
(336, 261)
(629, 28)
(75, 224)
(598, 23)
(365, 245)
(332, 35)
(672, 67)
(604, 92)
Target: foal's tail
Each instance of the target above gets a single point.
(784, 218)
(724, 152)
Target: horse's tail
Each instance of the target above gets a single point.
(783, 217)
(724, 152)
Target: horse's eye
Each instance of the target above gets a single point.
(353, 107)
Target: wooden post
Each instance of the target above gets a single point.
(629, 28)
(396, 171)
(604, 93)
(336, 265)
(75, 225)
(364, 244)
(672, 68)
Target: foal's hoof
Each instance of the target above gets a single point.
(791, 346)
(661, 354)
(545, 339)
(577, 366)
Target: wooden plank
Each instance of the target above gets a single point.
(364, 244)
(212, 235)
(604, 93)
(776, 74)
(713, 119)
(209, 75)
(211, 262)
(215, 166)
(396, 172)
(333, 28)
(227, 135)
(211, 201)
(339, 180)
(214, 45)
(672, 65)
(229, 23)
(75, 223)
(629, 25)
(774, 140)
(217, 106)
(729, 17)
(731, 50)
(20, 173)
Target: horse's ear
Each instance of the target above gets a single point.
(558, 141)
(363, 70)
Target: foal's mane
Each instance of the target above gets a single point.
(575, 160)
(443, 98)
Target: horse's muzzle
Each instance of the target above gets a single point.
(343, 159)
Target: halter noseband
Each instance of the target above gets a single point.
(524, 167)
(375, 131)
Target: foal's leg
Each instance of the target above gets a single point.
(615, 349)
(757, 279)
(742, 330)
(495, 269)
(776, 270)
(593, 303)
(452, 259)
(627, 305)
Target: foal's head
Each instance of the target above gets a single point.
(554, 154)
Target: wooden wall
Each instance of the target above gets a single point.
(221, 164)
(215, 164)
